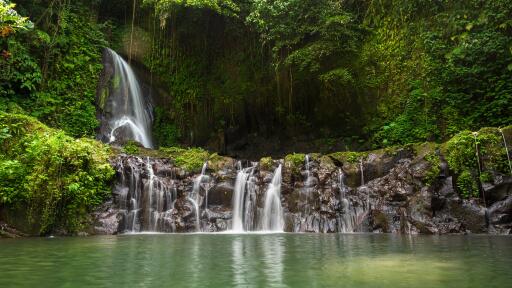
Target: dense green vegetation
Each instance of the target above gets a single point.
(231, 75)
(349, 74)
(390, 72)
(475, 157)
(55, 179)
(51, 71)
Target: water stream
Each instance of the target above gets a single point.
(273, 219)
(131, 116)
(240, 198)
(506, 149)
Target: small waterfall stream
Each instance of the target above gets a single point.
(479, 163)
(201, 181)
(506, 150)
(273, 218)
(241, 199)
(351, 216)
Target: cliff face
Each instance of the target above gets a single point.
(385, 191)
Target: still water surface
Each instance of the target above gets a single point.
(257, 260)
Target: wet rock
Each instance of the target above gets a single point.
(106, 220)
(221, 194)
(394, 198)
(470, 213)
(500, 189)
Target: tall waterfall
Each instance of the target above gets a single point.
(273, 219)
(130, 111)
(242, 208)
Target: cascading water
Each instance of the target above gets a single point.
(130, 116)
(350, 217)
(241, 200)
(196, 210)
(477, 155)
(195, 197)
(273, 218)
(341, 185)
(506, 150)
(361, 167)
(145, 199)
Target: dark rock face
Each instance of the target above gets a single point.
(154, 195)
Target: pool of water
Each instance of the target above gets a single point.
(257, 260)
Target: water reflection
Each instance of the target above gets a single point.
(263, 260)
(273, 253)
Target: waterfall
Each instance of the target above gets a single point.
(308, 171)
(241, 201)
(361, 167)
(145, 199)
(506, 150)
(199, 182)
(131, 117)
(273, 219)
(477, 154)
(349, 218)
(150, 210)
(196, 208)
(309, 186)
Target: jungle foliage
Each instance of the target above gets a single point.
(50, 71)
(381, 72)
(54, 178)
(389, 71)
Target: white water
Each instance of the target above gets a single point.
(130, 111)
(206, 187)
(196, 207)
(361, 167)
(477, 154)
(196, 189)
(147, 203)
(151, 175)
(273, 219)
(506, 149)
(239, 198)
(308, 171)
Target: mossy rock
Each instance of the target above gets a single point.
(217, 162)
(190, 159)
(349, 157)
(294, 162)
(266, 163)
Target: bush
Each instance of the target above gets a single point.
(58, 178)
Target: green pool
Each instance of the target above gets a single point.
(257, 260)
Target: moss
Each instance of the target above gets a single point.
(461, 154)
(349, 157)
(266, 163)
(57, 178)
(294, 161)
(434, 170)
(467, 185)
(131, 148)
(217, 162)
(424, 149)
(486, 177)
(190, 159)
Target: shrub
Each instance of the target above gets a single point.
(58, 178)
